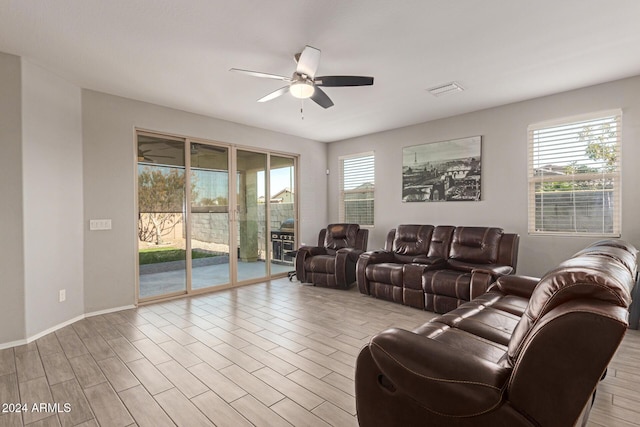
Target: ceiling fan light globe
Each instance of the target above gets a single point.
(302, 90)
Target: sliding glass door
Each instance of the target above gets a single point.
(161, 220)
(211, 215)
(282, 212)
(250, 224)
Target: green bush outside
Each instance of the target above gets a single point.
(157, 255)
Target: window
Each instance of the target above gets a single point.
(574, 175)
(357, 179)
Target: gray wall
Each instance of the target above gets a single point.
(52, 192)
(109, 159)
(71, 153)
(12, 319)
(504, 169)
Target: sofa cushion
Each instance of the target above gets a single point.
(463, 341)
(340, 236)
(484, 321)
(478, 245)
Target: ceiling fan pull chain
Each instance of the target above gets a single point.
(302, 109)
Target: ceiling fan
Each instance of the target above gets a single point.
(142, 156)
(303, 83)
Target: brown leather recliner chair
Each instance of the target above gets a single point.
(333, 262)
(529, 352)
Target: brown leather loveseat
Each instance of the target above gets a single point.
(437, 268)
(529, 352)
(333, 262)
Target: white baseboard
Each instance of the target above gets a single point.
(12, 344)
(53, 329)
(109, 310)
(62, 325)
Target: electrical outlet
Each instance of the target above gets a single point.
(62, 295)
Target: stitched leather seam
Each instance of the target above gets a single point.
(484, 238)
(525, 314)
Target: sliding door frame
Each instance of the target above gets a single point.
(233, 214)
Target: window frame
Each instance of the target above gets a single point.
(615, 176)
(342, 192)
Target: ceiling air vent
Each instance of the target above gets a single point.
(445, 89)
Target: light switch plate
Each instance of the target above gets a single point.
(99, 224)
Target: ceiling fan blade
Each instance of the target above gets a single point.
(142, 153)
(321, 98)
(274, 94)
(259, 74)
(308, 61)
(336, 81)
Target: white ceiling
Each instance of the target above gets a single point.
(177, 53)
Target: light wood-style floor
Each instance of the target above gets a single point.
(271, 354)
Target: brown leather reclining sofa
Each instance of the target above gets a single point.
(529, 352)
(437, 268)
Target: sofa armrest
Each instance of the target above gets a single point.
(346, 259)
(495, 270)
(301, 255)
(521, 286)
(351, 253)
(361, 269)
(431, 262)
(366, 258)
(436, 375)
(313, 250)
(379, 256)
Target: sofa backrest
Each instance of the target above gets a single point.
(617, 250)
(441, 241)
(508, 252)
(411, 240)
(478, 245)
(584, 277)
(338, 236)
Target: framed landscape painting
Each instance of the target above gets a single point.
(445, 171)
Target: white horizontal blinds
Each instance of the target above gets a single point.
(574, 175)
(357, 183)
